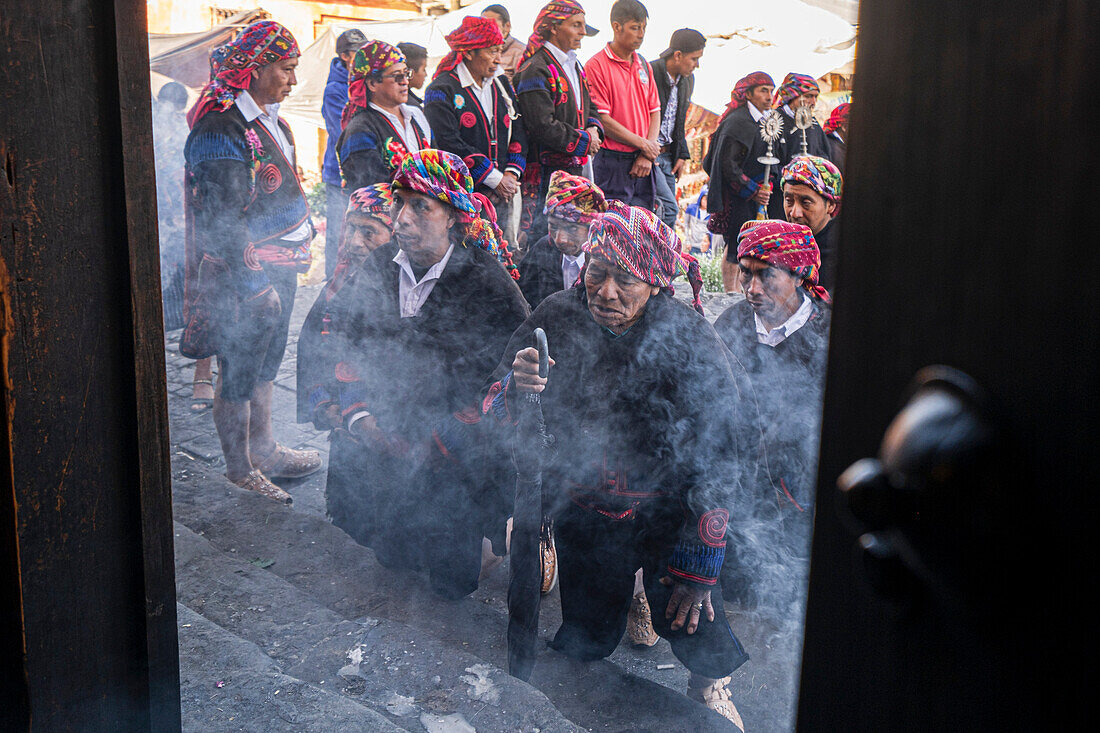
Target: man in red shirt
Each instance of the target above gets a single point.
(626, 99)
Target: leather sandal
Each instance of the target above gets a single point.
(201, 404)
(548, 560)
(256, 481)
(716, 696)
(639, 623)
(289, 463)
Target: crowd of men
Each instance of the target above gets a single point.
(526, 191)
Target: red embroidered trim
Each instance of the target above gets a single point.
(694, 578)
(468, 415)
(346, 373)
(796, 504)
(712, 527)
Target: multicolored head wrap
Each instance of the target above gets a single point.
(551, 14)
(444, 177)
(636, 240)
(838, 117)
(742, 88)
(375, 201)
(574, 198)
(817, 173)
(474, 33)
(785, 245)
(369, 62)
(794, 86)
(231, 66)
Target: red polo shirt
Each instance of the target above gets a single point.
(625, 90)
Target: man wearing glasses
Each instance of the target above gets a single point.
(380, 128)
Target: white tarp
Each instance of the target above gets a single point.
(775, 36)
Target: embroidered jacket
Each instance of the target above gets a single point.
(244, 196)
(646, 424)
(370, 148)
(460, 126)
(556, 128)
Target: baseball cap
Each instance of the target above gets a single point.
(350, 40)
(685, 40)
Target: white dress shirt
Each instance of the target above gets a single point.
(269, 118)
(405, 128)
(779, 334)
(483, 93)
(571, 64)
(413, 293)
(570, 269)
(756, 114)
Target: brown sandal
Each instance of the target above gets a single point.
(716, 696)
(639, 623)
(289, 463)
(256, 481)
(201, 404)
(548, 560)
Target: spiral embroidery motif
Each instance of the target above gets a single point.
(712, 527)
(270, 178)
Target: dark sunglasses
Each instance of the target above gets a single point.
(400, 76)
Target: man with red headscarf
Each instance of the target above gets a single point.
(780, 333)
(640, 400)
(380, 127)
(471, 107)
(563, 131)
(836, 131)
(251, 224)
(555, 261)
(416, 332)
(737, 187)
(797, 90)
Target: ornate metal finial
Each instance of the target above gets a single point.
(804, 120)
(771, 127)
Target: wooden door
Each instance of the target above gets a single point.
(967, 239)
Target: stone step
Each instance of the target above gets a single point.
(322, 561)
(404, 675)
(228, 684)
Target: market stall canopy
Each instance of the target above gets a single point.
(742, 36)
(185, 57)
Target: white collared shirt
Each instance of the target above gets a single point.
(568, 275)
(405, 127)
(571, 64)
(757, 115)
(781, 333)
(269, 118)
(413, 293)
(483, 93)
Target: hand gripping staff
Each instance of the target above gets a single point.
(531, 448)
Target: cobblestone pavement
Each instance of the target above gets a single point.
(237, 551)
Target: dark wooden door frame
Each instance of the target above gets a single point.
(88, 617)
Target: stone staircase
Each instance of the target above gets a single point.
(273, 598)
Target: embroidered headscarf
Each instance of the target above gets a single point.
(375, 201)
(551, 14)
(637, 241)
(444, 177)
(369, 62)
(231, 66)
(785, 245)
(574, 198)
(474, 33)
(838, 117)
(742, 88)
(794, 86)
(817, 173)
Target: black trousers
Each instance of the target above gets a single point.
(597, 559)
